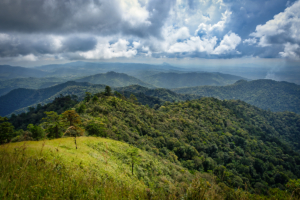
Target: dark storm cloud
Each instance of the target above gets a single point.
(59, 16)
(75, 43)
(11, 46)
(78, 16)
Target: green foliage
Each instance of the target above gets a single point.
(53, 124)
(6, 130)
(96, 129)
(240, 144)
(88, 96)
(81, 108)
(107, 91)
(161, 93)
(59, 105)
(133, 154)
(37, 132)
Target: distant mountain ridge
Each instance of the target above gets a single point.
(113, 79)
(190, 79)
(29, 83)
(10, 72)
(22, 98)
(263, 93)
(161, 93)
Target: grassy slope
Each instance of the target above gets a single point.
(105, 158)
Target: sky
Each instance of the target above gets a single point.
(188, 32)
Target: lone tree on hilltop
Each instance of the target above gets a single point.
(107, 91)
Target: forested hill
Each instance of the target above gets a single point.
(243, 146)
(22, 98)
(161, 93)
(176, 80)
(113, 79)
(265, 94)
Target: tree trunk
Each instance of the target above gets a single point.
(132, 168)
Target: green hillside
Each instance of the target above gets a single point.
(161, 93)
(22, 98)
(29, 83)
(102, 167)
(265, 94)
(230, 143)
(176, 80)
(113, 79)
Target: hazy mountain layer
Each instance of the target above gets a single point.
(22, 98)
(10, 72)
(265, 94)
(175, 80)
(29, 83)
(113, 79)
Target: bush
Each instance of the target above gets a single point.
(96, 129)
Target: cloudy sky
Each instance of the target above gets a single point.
(45, 31)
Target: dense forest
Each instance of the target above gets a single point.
(241, 145)
(265, 94)
(161, 93)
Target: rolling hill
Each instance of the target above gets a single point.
(28, 83)
(161, 93)
(22, 98)
(113, 79)
(176, 80)
(265, 94)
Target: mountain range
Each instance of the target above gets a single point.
(264, 93)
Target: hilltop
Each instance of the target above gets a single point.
(113, 79)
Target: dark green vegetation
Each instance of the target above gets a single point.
(161, 93)
(175, 80)
(239, 145)
(29, 83)
(265, 94)
(35, 115)
(22, 98)
(113, 79)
